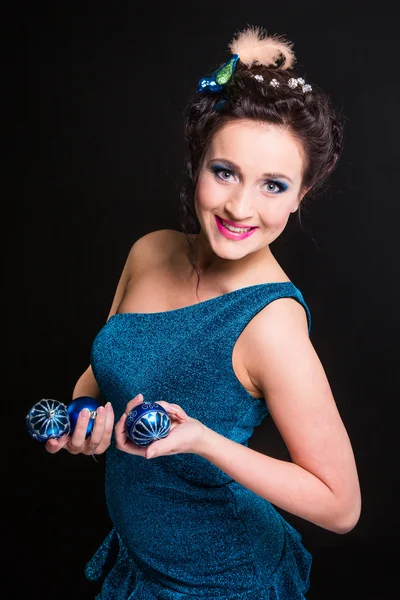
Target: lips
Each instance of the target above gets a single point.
(231, 235)
(234, 224)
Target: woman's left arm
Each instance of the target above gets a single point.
(321, 484)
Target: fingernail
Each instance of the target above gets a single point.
(108, 406)
(85, 411)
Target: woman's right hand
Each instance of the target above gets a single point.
(96, 443)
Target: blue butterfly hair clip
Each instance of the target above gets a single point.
(219, 78)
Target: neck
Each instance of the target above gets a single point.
(211, 266)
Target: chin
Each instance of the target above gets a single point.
(234, 251)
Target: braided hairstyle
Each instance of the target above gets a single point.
(306, 112)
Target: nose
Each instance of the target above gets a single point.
(238, 207)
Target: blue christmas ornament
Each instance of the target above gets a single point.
(75, 407)
(47, 419)
(147, 423)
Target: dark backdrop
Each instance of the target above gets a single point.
(95, 105)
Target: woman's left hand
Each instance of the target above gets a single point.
(184, 436)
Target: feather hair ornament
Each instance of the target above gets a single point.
(254, 45)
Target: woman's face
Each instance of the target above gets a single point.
(251, 175)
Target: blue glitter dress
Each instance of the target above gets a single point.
(183, 528)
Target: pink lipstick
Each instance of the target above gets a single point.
(231, 235)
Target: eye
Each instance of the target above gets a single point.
(275, 187)
(222, 173)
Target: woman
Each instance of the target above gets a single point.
(219, 354)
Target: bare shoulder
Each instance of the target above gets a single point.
(151, 249)
(282, 316)
(282, 319)
(146, 254)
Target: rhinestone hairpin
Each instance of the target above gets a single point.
(293, 83)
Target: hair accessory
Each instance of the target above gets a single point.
(220, 104)
(219, 78)
(293, 83)
(255, 46)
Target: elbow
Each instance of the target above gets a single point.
(346, 526)
(348, 519)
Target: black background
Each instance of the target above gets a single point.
(94, 111)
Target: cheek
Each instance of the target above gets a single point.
(275, 213)
(208, 194)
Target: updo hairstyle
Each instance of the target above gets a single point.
(306, 111)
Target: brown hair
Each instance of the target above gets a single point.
(309, 116)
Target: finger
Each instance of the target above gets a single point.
(52, 445)
(171, 409)
(98, 429)
(159, 448)
(134, 402)
(108, 429)
(176, 410)
(120, 431)
(78, 438)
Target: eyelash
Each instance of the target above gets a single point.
(281, 186)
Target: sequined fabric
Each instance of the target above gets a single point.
(183, 528)
(219, 78)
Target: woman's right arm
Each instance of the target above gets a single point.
(99, 440)
(86, 385)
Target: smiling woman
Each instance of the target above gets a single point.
(266, 110)
(200, 518)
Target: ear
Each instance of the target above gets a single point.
(300, 198)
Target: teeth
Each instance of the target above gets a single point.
(235, 229)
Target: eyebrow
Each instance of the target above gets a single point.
(234, 167)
